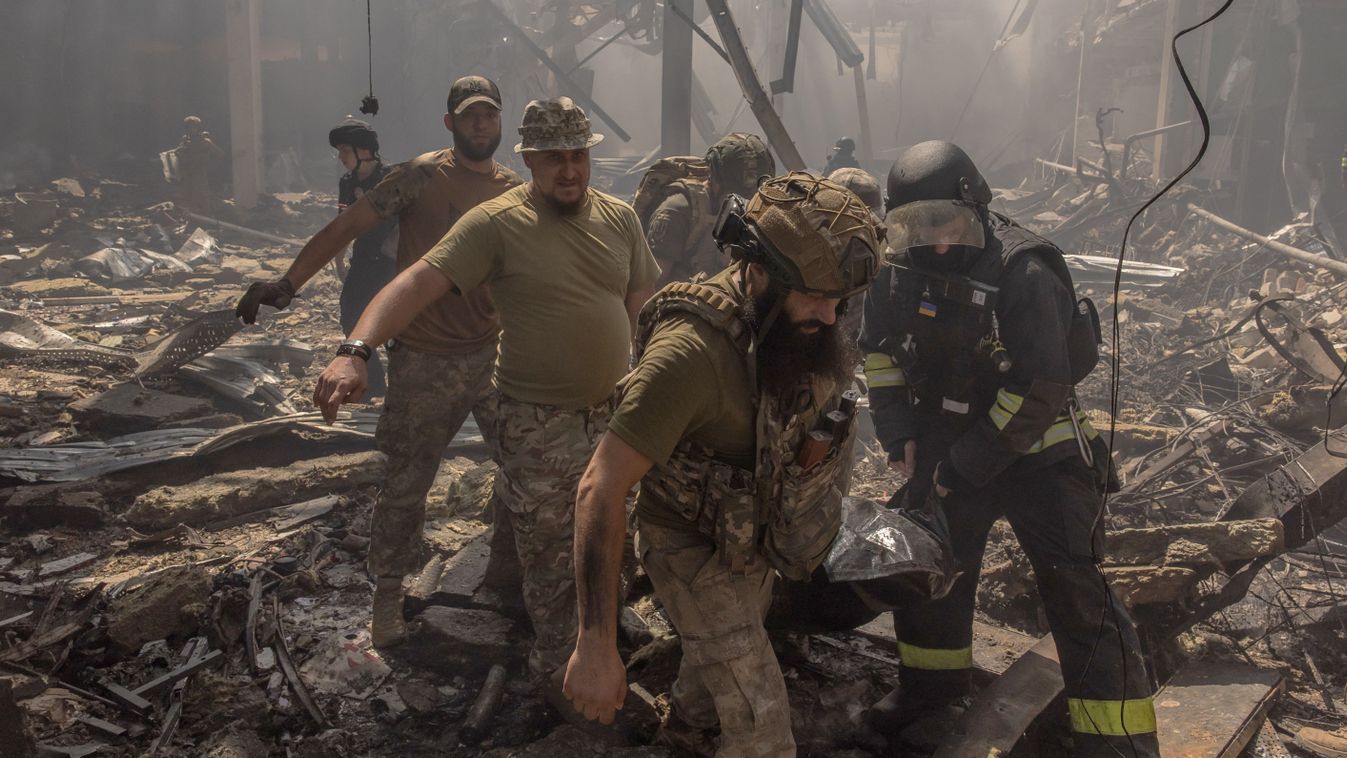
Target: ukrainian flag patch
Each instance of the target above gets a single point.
(926, 309)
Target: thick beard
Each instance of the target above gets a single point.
(788, 356)
(464, 146)
(564, 209)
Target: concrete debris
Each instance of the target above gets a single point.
(461, 641)
(172, 605)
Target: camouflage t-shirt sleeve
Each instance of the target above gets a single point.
(673, 391)
(399, 188)
(467, 252)
(670, 225)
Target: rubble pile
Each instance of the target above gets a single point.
(184, 567)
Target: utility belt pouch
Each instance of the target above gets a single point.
(804, 519)
(1083, 340)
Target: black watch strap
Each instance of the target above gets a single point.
(357, 348)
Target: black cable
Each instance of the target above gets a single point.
(1115, 361)
(370, 104)
(369, 44)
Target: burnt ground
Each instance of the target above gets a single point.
(168, 552)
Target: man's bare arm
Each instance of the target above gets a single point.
(345, 378)
(595, 678)
(331, 240)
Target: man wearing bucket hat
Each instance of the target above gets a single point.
(439, 365)
(569, 270)
(737, 425)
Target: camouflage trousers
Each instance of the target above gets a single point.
(729, 673)
(542, 451)
(429, 397)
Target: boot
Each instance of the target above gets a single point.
(1320, 742)
(685, 739)
(910, 722)
(387, 628)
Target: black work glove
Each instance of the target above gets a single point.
(277, 294)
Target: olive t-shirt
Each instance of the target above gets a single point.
(561, 283)
(690, 384)
(428, 194)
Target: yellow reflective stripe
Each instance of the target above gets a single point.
(1006, 406)
(877, 361)
(881, 372)
(887, 378)
(1062, 431)
(1112, 718)
(935, 659)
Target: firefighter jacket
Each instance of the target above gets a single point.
(973, 363)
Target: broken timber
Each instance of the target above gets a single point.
(1207, 710)
(1213, 710)
(758, 99)
(1294, 253)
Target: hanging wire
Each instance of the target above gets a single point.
(370, 103)
(1115, 361)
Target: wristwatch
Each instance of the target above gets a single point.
(355, 347)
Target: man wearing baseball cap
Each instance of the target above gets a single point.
(439, 364)
(570, 269)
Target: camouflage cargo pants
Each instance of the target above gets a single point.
(729, 673)
(542, 451)
(429, 398)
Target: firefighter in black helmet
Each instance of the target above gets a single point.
(971, 358)
(374, 253)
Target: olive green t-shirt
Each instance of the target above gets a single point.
(560, 284)
(691, 384)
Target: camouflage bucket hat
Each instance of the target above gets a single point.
(556, 124)
(820, 234)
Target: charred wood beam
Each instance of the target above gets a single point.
(245, 230)
(1308, 494)
(1294, 253)
(577, 92)
(757, 97)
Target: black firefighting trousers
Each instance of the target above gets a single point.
(1052, 511)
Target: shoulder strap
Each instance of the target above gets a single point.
(1016, 241)
(710, 304)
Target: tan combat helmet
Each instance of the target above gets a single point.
(814, 235)
(866, 187)
(556, 124)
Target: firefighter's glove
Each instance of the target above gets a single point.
(277, 294)
(946, 478)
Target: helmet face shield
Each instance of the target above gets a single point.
(932, 222)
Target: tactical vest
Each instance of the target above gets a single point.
(788, 513)
(949, 344)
